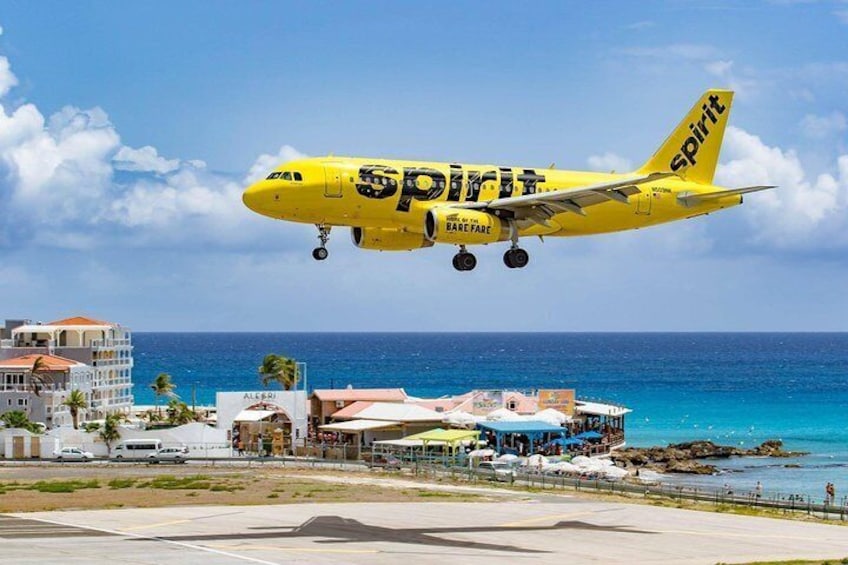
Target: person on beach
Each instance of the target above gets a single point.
(758, 490)
(829, 493)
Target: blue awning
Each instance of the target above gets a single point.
(591, 434)
(521, 427)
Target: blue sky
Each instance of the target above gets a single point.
(128, 132)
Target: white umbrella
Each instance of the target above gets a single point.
(551, 416)
(503, 415)
(460, 418)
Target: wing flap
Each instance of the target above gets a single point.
(571, 199)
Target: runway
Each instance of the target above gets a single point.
(572, 531)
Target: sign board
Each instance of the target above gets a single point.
(487, 401)
(561, 399)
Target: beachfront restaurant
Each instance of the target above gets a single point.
(521, 437)
(434, 446)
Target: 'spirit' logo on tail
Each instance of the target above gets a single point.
(686, 156)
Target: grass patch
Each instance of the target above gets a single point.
(273, 495)
(63, 486)
(121, 483)
(225, 488)
(434, 494)
(842, 561)
(170, 482)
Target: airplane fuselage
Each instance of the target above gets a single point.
(394, 194)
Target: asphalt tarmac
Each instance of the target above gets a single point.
(566, 531)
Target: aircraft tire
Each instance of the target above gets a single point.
(464, 261)
(516, 258)
(320, 253)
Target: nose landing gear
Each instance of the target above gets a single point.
(320, 253)
(464, 261)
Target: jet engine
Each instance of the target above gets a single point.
(464, 227)
(387, 239)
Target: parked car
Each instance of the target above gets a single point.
(73, 454)
(496, 471)
(172, 454)
(385, 461)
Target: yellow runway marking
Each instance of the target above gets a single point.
(284, 548)
(148, 526)
(530, 521)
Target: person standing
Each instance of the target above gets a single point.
(758, 490)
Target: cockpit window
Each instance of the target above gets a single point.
(287, 176)
(298, 176)
(273, 176)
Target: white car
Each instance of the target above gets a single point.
(172, 454)
(74, 454)
(497, 471)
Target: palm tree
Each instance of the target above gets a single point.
(75, 402)
(38, 379)
(19, 419)
(162, 386)
(110, 431)
(276, 368)
(179, 413)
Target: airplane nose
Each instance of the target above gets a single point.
(251, 197)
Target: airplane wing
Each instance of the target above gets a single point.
(692, 199)
(544, 205)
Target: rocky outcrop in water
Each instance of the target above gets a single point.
(685, 457)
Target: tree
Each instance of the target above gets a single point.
(279, 369)
(19, 419)
(179, 413)
(110, 431)
(75, 402)
(38, 379)
(162, 386)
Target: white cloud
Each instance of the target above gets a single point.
(818, 127)
(688, 51)
(144, 159)
(803, 212)
(7, 77)
(267, 162)
(609, 162)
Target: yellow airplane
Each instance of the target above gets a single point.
(403, 205)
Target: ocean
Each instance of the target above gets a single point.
(731, 388)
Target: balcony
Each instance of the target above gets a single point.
(110, 343)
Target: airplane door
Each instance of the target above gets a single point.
(643, 205)
(332, 180)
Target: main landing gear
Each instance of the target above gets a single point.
(464, 261)
(320, 253)
(516, 258)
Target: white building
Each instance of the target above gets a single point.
(104, 346)
(58, 376)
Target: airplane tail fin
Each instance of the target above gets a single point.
(692, 149)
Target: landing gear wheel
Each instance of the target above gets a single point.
(516, 258)
(320, 253)
(464, 261)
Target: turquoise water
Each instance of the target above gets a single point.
(738, 389)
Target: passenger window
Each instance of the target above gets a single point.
(273, 176)
(287, 176)
(298, 176)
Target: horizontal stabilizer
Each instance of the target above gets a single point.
(697, 198)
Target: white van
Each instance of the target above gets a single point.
(138, 449)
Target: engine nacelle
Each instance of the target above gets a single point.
(464, 227)
(386, 239)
